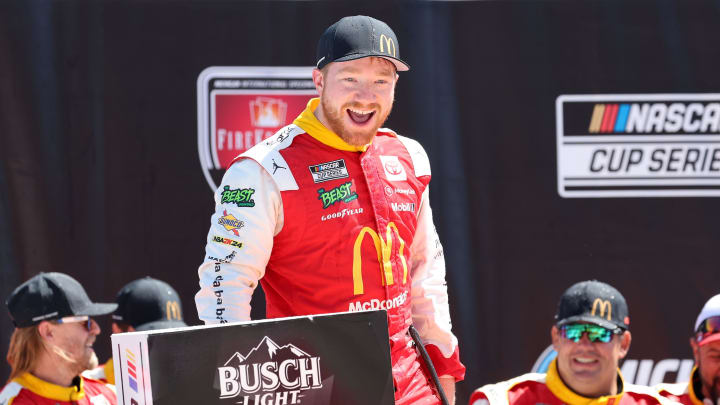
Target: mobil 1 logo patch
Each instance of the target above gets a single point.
(329, 171)
(638, 145)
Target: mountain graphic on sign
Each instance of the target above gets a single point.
(266, 350)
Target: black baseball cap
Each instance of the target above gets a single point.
(149, 304)
(358, 37)
(50, 296)
(593, 302)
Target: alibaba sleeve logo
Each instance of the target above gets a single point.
(383, 247)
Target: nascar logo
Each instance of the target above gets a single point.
(638, 145)
(693, 117)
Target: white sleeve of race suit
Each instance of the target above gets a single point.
(430, 310)
(248, 214)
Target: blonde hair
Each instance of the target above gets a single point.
(25, 349)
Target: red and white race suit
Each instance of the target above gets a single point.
(30, 390)
(329, 227)
(549, 389)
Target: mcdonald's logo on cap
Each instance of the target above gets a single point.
(383, 247)
(172, 311)
(389, 44)
(604, 305)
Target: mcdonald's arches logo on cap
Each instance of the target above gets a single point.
(389, 44)
(172, 310)
(604, 305)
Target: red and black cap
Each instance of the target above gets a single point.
(149, 304)
(593, 302)
(50, 296)
(358, 37)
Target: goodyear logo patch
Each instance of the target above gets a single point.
(329, 171)
(638, 145)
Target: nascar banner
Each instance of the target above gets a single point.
(238, 106)
(324, 359)
(638, 145)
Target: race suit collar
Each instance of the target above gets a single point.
(556, 385)
(51, 391)
(310, 124)
(695, 387)
(109, 371)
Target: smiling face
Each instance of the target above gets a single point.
(76, 343)
(356, 97)
(590, 368)
(707, 360)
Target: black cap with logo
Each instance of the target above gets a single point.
(593, 302)
(149, 304)
(50, 296)
(359, 37)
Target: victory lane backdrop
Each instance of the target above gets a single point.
(100, 176)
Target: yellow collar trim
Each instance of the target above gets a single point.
(109, 371)
(691, 388)
(310, 124)
(565, 394)
(49, 390)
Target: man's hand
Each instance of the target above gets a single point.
(448, 385)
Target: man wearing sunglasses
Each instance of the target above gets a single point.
(52, 344)
(704, 385)
(591, 334)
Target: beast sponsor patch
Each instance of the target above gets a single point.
(343, 192)
(242, 197)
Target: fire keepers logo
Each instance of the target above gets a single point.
(270, 374)
(240, 106)
(638, 145)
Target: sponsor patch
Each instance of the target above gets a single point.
(375, 304)
(230, 223)
(329, 171)
(394, 170)
(227, 241)
(242, 197)
(343, 192)
(638, 145)
(342, 214)
(403, 207)
(269, 374)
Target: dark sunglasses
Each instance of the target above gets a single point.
(595, 333)
(708, 327)
(72, 319)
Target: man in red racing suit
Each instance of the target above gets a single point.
(329, 221)
(591, 335)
